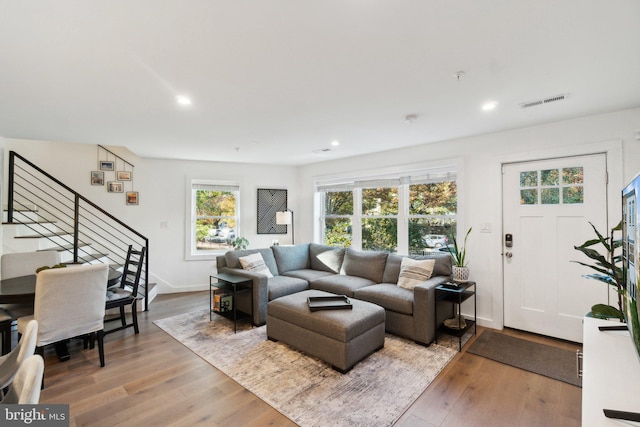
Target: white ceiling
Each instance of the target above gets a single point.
(272, 81)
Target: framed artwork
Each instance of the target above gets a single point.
(269, 202)
(97, 178)
(106, 165)
(132, 197)
(114, 187)
(123, 176)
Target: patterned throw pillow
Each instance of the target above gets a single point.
(255, 264)
(413, 272)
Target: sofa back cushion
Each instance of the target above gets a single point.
(326, 258)
(233, 258)
(442, 267)
(291, 258)
(368, 265)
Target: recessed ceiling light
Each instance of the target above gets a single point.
(183, 100)
(488, 106)
(335, 142)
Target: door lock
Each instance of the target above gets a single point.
(508, 240)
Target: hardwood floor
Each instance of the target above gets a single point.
(152, 380)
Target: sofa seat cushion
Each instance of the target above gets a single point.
(308, 274)
(389, 296)
(340, 284)
(290, 258)
(280, 286)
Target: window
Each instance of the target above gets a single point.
(408, 214)
(552, 186)
(214, 221)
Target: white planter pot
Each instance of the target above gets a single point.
(460, 274)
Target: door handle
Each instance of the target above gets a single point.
(508, 254)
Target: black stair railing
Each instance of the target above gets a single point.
(79, 229)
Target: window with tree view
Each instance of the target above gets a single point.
(215, 220)
(410, 215)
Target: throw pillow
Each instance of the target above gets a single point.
(413, 272)
(255, 264)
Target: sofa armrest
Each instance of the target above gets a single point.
(260, 290)
(424, 309)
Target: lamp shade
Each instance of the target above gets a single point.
(284, 218)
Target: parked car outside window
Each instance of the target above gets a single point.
(435, 240)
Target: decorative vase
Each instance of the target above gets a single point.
(460, 274)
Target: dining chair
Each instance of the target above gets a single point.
(25, 388)
(16, 264)
(5, 330)
(10, 363)
(127, 292)
(69, 303)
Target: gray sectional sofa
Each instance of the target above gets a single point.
(364, 275)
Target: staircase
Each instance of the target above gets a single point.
(42, 213)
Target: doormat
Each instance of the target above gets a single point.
(541, 359)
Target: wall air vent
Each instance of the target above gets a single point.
(548, 100)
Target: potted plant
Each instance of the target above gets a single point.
(607, 268)
(459, 254)
(240, 243)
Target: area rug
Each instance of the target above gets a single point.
(541, 359)
(374, 393)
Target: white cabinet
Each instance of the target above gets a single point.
(611, 374)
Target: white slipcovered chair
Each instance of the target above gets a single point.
(18, 264)
(69, 302)
(25, 389)
(10, 363)
(25, 263)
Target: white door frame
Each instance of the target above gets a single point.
(615, 167)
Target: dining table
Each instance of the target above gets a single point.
(22, 290)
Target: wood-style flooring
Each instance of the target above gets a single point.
(152, 380)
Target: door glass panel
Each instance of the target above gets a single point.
(572, 195)
(550, 177)
(572, 175)
(529, 179)
(550, 196)
(529, 197)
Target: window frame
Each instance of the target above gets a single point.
(402, 180)
(191, 253)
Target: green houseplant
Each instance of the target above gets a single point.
(459, 254)
(240, 243)
(607, 269)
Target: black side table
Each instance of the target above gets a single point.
(228, 284)
(456, 294)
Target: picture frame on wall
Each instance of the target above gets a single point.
(97, 178)
(123, 176)
(115, 187)
(106, 165)
(271, 201)
(132, 197)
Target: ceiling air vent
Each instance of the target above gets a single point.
(322, 151)
(537, 102)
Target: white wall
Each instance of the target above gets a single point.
(163, 198)
(161, 184)
(480, 181)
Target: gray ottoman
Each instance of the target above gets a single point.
(341, 338)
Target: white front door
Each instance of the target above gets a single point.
(547, 207)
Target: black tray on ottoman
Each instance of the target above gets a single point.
(334, 302)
